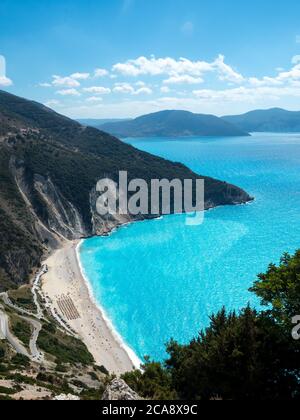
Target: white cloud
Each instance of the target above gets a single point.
(98, 90)
(68, 92)
(231, 89)
(290, 75)
(183, 79)
(245, 94)
(143, 91)
(65, 81)
(94, 99)
(101, 73)
(5, 81)
(80, 76)
(123, 88)
(171, 67)
(165, 89)
(160, 66)
(227, 72)
(127, 88)
(296, 59)
(283, 78)
(265, 81)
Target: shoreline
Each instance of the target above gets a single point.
(97, 330)
(117, 336)
(65, 282)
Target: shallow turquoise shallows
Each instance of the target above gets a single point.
(162, 279)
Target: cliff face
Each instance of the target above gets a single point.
(49, 167)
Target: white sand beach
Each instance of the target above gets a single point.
(65, 285)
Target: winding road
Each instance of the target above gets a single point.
(35, 354)
(6, 334)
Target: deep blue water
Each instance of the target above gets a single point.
(161, 279)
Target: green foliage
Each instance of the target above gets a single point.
(64, 348)
(3, 350)
(53, 381)
(154, 383)
(279, 288)
(22, 379)
(5, 398)
(22, 297)
(93, 376)
(7, 391)
(245, 356)
(21, 329)
(92, 394)
(20, 360)
(101, 369)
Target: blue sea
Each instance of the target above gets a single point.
(162, 279)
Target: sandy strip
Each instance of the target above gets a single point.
(64, 278)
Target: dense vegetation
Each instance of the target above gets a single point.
(273, 120)
(173, 124)
(250, 355)
(22, 297)
(21, 329)
(62, 347)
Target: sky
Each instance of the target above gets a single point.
(124, 58)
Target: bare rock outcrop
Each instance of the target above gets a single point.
(66, 397)
(118, 390)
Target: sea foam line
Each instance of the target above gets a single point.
(137, 363)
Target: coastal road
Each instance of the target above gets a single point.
(9, 303)
(35, 288)
(35, 354)
(6, 334)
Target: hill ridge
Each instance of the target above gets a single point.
(173, 123)
(267, 120)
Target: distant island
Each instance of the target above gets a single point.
(173, 124)
(274, 120)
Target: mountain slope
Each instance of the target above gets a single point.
(49, 167)
(92, 122)
(274, 120)
(173, 124)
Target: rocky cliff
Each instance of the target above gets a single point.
(118, 390)
(49, 167)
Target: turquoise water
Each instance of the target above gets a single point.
(161, 279)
